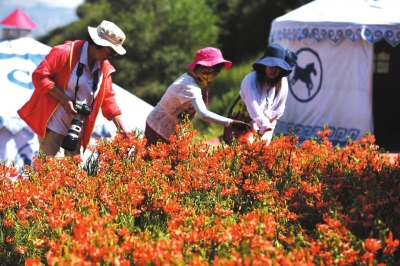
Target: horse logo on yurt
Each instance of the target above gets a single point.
(306, 79)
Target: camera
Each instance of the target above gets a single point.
(71, 139)
(82, 109)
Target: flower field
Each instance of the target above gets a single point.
(189, 203)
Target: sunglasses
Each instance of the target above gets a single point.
(209, 70)
(111, 53)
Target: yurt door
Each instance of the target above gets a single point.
(386, 96)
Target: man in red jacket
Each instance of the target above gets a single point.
(71, 84)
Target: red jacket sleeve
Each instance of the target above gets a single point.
(51, 68)
(109, 107)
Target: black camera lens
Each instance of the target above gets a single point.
(70, 141)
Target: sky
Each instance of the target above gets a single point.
(51, 3)
(47, 14)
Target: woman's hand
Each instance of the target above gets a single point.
(265, 128)
(240, 125)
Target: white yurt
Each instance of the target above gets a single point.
(348, 71)
(18, 144)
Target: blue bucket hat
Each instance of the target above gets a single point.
(274, 56)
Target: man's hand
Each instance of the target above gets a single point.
(69, 107)
(66, 103)
(120, 126)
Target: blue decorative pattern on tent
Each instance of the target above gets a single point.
(371, 34)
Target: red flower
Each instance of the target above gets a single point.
(373, 244)
(8, 223)
(21, 249)
(391, 245)
(32, 262)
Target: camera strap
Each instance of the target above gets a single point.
(79, 73)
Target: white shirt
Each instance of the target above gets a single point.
(262, 103)
(60, 121)
(180, 97)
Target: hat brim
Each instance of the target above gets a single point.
(273, 62)
(227, 65)
(100, 40)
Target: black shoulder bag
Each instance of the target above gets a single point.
(235, 130)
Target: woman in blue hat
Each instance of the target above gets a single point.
(264, 90)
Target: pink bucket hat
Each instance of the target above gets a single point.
(209, 56)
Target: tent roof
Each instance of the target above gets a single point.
(19, 19)
(23, 46)
(336, 20)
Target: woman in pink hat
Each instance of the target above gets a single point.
(183, 97)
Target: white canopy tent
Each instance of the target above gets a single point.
(333, 81)
(18, 59)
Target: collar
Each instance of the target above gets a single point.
(84, 58)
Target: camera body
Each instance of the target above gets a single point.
(71, 139)
(82, 109)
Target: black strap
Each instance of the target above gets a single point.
(79, 73)
(233, 106)
(238, 98)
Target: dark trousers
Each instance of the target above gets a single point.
(152, 136)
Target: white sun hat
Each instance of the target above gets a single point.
(108, 34)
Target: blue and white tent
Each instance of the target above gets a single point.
(18, 143)
(333, 81)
